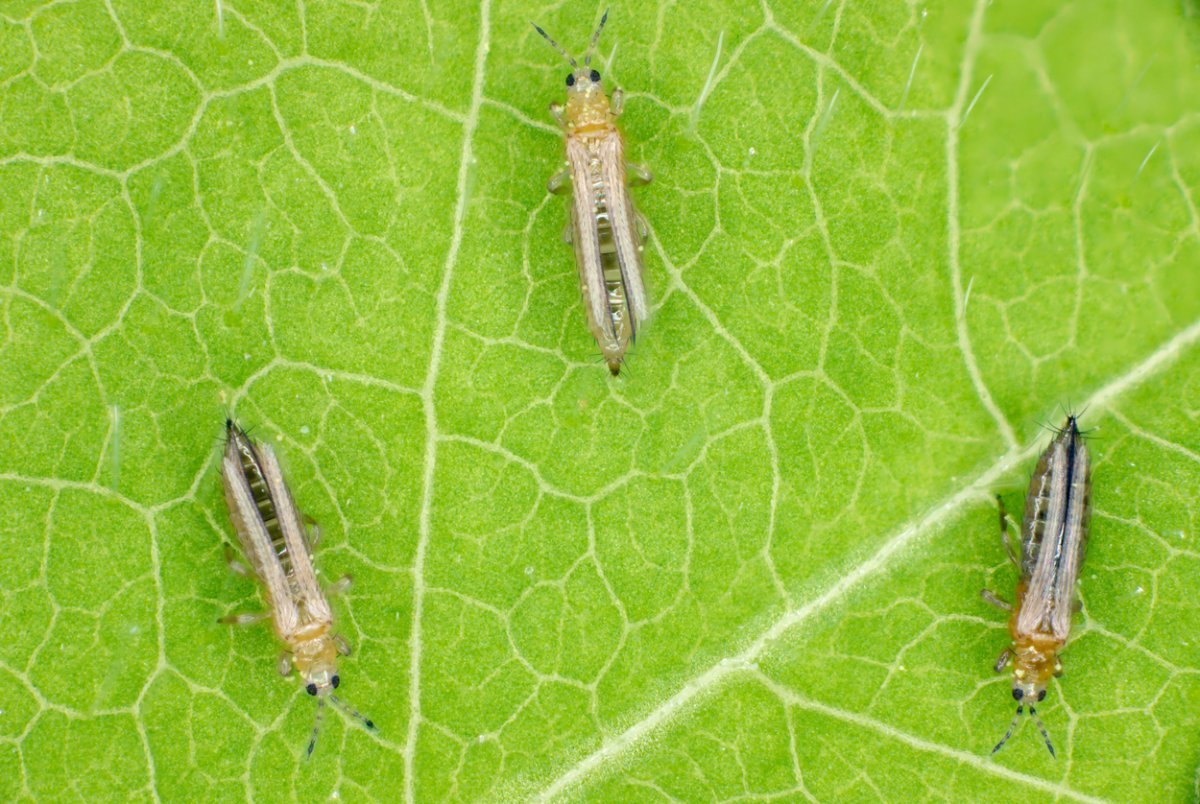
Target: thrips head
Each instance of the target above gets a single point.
(322, 683)
(1028, 694)
(582, 80)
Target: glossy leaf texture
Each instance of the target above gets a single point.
(889, 243)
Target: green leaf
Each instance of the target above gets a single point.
(888, 243)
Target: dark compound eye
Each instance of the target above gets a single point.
(1042, 695)
(570, 79)
(335, 681)
(595, 76)
(311, 689)
(1018, 693)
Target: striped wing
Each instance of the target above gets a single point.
(1075, 535)
(305, 589)
(1037, 503)
(624, 224)
(1038, 607)
(256, 542)
(586, 238)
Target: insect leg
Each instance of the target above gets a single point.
(339, 586)
(557, 111)
(569, 233)
(643, 228)
(235, 564)
(617, 104)
(989, 597)
(284, 663)
(343, 647)
(314, 531)
(638, 174)
(247, 618)
(1001, 661)
(1004, 532)
(560, 182)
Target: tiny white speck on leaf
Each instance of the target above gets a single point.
(304, 429)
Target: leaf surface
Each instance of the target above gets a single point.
(888, 243)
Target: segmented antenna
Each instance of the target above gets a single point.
(351, 711)
(1033, 713)
(558, 47)
(1011, 727)
(312, 741)
(587, 60)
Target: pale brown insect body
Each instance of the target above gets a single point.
(275, 542)
(1054, 534)
(605, 229)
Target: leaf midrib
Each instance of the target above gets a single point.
(429, 403)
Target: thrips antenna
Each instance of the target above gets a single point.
(587, 60)
(1011, 727)
(1033, 714)
(350, 710)
(312, 741)
(557, 46)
